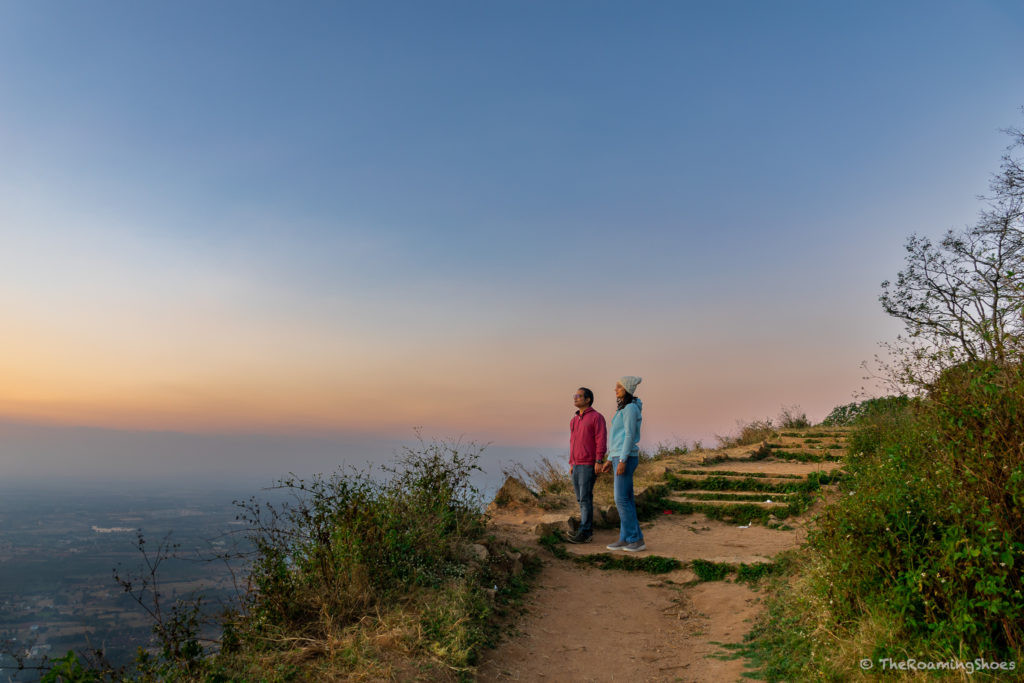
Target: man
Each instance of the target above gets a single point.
(588, 440)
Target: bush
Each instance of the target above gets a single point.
(856, 412)
(356, 576)
(792, 417)
(922, 554)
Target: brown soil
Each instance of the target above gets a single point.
(585, 624)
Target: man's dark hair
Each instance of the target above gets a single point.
(588, 394)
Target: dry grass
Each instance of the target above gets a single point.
(544, 476)
(749, 433)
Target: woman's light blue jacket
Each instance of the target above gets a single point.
(625, 433)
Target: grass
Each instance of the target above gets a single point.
(657, 564)
(805, 457)
(710, 571)
(650, 564)
(813, 482)
(749, 497)
(544, 476)
(732, 473)
(353, 577)
(814, 435)
(740, 513)
(750, 574)
(749, 433)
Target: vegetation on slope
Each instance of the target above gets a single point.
(921, 557)
(357, 578)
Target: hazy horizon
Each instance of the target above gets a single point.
(240, 234)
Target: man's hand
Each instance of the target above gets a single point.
(621, 469)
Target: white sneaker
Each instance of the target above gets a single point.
(617, 545)
(634, 547)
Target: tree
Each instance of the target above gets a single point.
(962, 299)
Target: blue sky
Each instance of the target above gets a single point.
(355, 218)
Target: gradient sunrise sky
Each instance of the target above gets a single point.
(338, 221)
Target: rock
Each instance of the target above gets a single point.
(545, 528)
(512, 492)
(479, 552)
(610, 514)
(516, 563)
(650, 497)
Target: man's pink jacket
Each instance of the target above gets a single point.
(588, 438)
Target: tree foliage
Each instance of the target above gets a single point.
(962, 298)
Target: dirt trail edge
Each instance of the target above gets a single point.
(739, 507)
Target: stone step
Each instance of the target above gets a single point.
(761, 503)
(732, 495)
(741, 477)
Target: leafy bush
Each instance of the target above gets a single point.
(858, 411)
(380, 578)
(922, 554)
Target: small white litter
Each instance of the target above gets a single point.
(769, 500)
(747, 526)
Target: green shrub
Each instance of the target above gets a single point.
(354, 575)
(922, 555)
(710, 571)
(858, 411)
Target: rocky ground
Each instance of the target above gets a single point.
(739, 507)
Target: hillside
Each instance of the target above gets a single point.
(717, 522)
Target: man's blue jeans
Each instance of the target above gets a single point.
(583, 482)
(629, 524)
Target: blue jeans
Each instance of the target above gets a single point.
(583, 482)
(629, 524)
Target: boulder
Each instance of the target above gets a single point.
(513, 492)
(479, 552)
(545, 528)
(610, 515)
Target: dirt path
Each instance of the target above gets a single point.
(587, 624)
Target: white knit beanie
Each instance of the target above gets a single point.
(629, 383)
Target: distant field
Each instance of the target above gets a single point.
(57, 590)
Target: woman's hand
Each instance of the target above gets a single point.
(621, 469)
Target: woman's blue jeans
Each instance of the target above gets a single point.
(625, 503)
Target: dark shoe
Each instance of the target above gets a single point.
(580, 538)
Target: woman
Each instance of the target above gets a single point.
(624, 452)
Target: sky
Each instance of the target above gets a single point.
(265, 233)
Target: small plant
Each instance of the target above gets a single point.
(650, 564)
(665, 449)
(792, 417)
(710, 571)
